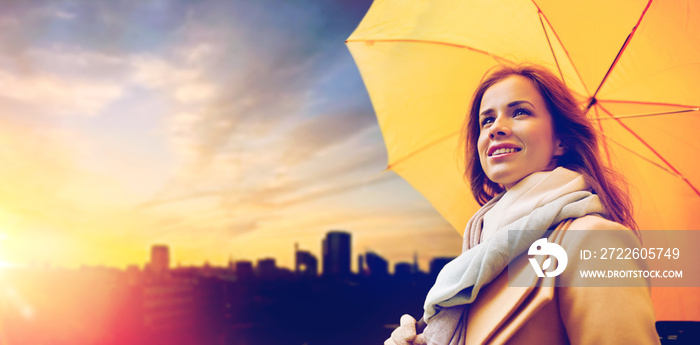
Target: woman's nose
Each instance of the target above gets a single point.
(499, 128)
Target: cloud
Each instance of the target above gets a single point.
(263, 201)
(70, 81)
(324, 131)
(65, 15)
(243, 75)
(198, 53)
(37, 164)
(261, 67)
(258, 115)
(195, 92)
(58, 95)
(155, 72)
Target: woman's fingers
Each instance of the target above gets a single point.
(408, 320)
(405, 334)
(400, 337)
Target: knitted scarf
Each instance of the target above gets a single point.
(538, 202)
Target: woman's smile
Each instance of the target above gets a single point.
(502, 150)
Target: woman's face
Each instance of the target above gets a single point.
(516, 135)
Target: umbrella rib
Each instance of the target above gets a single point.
(646, 114)
(605, 144)
(650, 103)
(619, 53)
(540, 15)
(675, 171)
(403, 40)
(406, 157)
(562, 46)
(643, 158)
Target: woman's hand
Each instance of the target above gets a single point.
(406, 333)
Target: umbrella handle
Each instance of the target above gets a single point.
(420, 326)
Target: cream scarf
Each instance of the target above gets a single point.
(538, 202)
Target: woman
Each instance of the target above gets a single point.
(533, 164)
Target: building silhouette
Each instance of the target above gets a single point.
(167, 306)
(377, 266)
(403, 270)
(160, 259)
(336, 254)
(361, 269)
(267, 269)
(244, 270)
(437, 264)
(305, 263)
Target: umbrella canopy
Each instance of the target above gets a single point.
(634, 64)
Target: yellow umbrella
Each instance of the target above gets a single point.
(634, 64)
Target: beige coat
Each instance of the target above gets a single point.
(562, 315)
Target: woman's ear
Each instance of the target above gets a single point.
(559, 148)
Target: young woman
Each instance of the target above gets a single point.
(533, 164)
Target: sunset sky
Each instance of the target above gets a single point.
(224, 129)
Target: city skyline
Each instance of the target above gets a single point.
(220, 128)
(239, 304)
(160, 259)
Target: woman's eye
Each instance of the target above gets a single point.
(486, 121)
(521, 111)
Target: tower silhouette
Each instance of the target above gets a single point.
(160, 259)
(336, 254)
